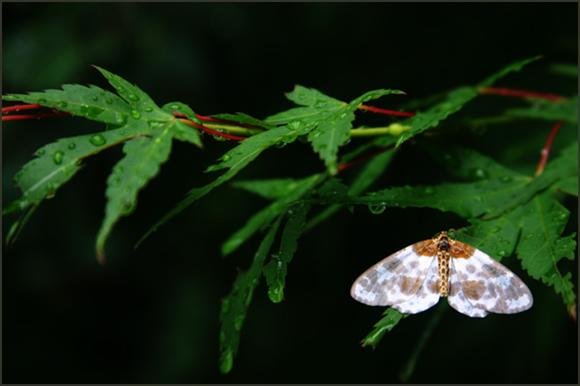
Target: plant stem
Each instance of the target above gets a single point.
(16, 108)
(545, 153)
(393, 113)
(211, 131)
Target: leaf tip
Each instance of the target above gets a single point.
(572, 312)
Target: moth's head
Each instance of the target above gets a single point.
(442, 240)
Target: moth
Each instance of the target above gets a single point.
(414, 278)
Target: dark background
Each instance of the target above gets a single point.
(151, 315)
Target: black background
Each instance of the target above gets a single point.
(151, 315)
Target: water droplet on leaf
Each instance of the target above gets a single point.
(40, 152)
(97, 140)
(148, 109)
(429, 190)
(62, 104)
(72, 145)
(174, 107)
(135, 114)
(108, 101)
(57, 157)
(377, 208)
(479, 173)
(505, 179)
(95, 98)
(133, 97)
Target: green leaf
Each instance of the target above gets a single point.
(566, 110)
(390, 319)
(181, 131)
(143, 158)
(243, 118)
(234, 160)
(568, 185)
(311, 97)
(370, 173)
(141, 104)
(541, 246)
(513, 67)
(276, 269)
(90, 102)
(58, 162)
(266, 215)
(454, 101)
(333, 131)
(329, 135)
(270, 189)
(422, 121)
(235, 304)
(565, 69)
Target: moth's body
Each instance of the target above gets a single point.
(414, 278)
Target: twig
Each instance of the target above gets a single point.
(16, 108)
(23, 117)
(346, 165)
(547, 147)
(211, 131)
(393, 113)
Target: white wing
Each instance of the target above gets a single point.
(399, 281)
(480, 284)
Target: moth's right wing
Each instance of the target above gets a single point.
(405, 280)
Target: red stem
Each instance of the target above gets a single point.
(520, 93)
(393, 113)
(346, 165)
(547, 147)
(22, 117)
(212, 132)
(16, 108)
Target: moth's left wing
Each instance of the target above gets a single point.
(403, 280)
(480, 284)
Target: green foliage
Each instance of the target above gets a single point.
(566, 111)
(235, 304)
(506, 212)
(276, 269)
(390, 319)
(266, 215)
(89, 102)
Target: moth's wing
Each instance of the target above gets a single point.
(488, 285)
(427, 295)
(393, 280)
(457, 298)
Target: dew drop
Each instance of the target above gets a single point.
(563, 215)
(109, 101)
(40, 152)
(377, 208)
(133, 97)
(84, 109)
(95, 98)
(479, 173)
(429, 190)
(120, 119)
(226, 158)
(57, 157)
(148, 109)
(97, 140)
(135, 114)
(530, 236)
(72, 145)
(502, 253)
(62, 104)
(174, 107)
(505, 179)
